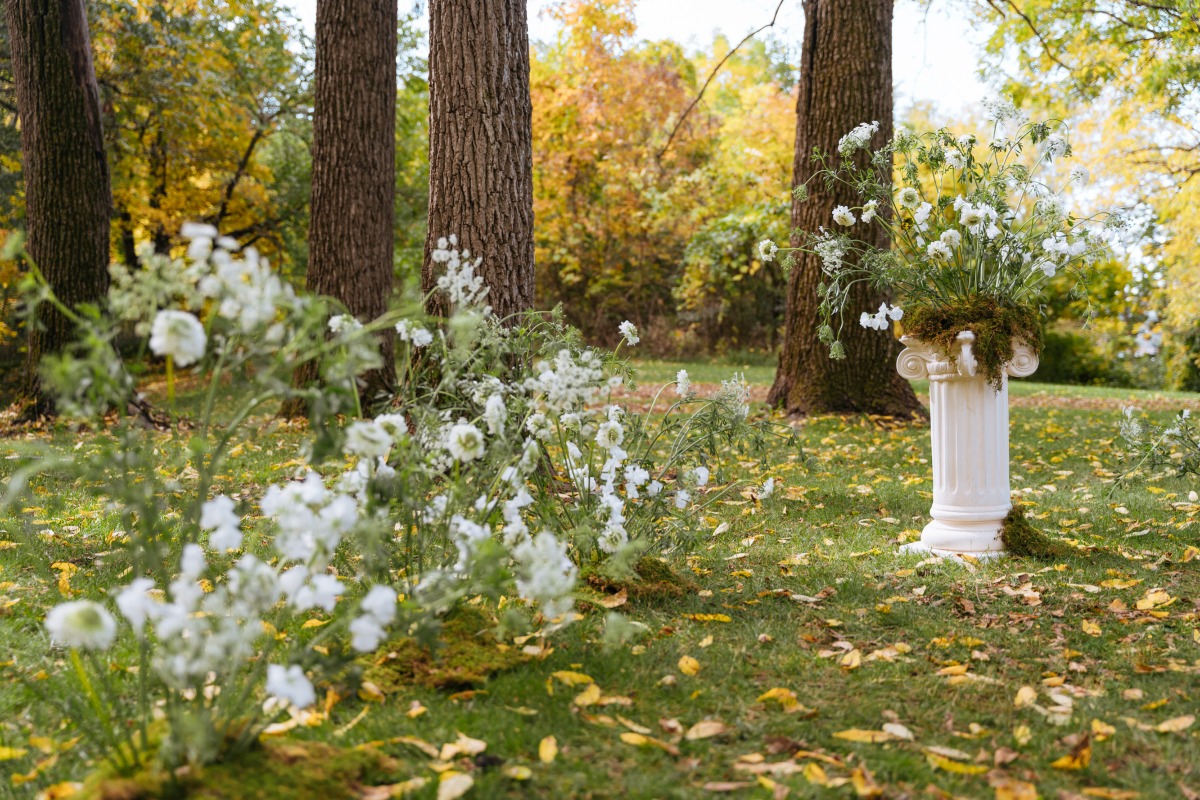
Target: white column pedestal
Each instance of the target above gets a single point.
(969, 433)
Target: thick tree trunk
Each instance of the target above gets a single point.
(481, 145)
(67, 195)
(845, 79)
(350, 236)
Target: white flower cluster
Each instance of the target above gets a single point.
(879, 320)
(462, 286)
(569, 383)
(858, 138)
(831, 250)
(413, 333)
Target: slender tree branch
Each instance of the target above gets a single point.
(1038, 34)
(713, 74)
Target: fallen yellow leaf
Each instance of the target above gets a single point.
(589, 696)
(1026, 696)
(548, 749)
(454, 785)
(572, 678)
(705, 729)
(857, 735)
(689, 665)
(1176, 724)
(950, 765)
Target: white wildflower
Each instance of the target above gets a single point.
(369, 439)
(858, 138)
(683, 386)
(217, 515)
(939, 252)
(908, 197)
(290, 684)
(610, 434)
(629, 332)
(81, 624)
(465, 442)
(494, 414)
(843, 216)
(178, 334)
(767, 250)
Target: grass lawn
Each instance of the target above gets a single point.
(1077, 677)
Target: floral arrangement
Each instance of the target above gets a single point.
(975, 232)
(499, 470)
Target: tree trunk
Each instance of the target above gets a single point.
(481, 145)
(350, 233)
(67, 195)
(845, 79)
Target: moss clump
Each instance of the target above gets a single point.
(1020, 538)
(275, 770)
(652, 579)
(466, 655)
(996, 327)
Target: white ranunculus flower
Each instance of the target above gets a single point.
(178, 334)
(82, 624)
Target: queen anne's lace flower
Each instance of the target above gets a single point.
(858, 138)
(629, 332)
(683, 386)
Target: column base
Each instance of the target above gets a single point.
(920, 548)
(979, 539)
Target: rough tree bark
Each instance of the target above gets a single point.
(350, 235)
(68, 199)
(845, 79)
(481, 145)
